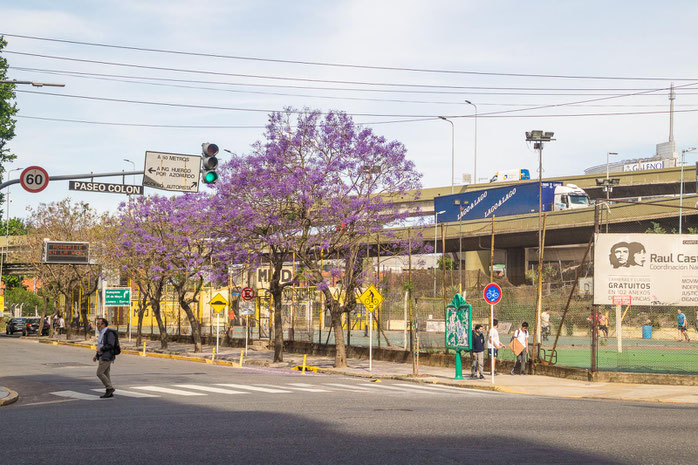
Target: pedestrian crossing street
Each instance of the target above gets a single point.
(228, 389)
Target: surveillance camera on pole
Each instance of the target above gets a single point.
(209, 163)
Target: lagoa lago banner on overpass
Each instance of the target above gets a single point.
(516, 199)
(653, 269)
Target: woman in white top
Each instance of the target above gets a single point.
(493, 342)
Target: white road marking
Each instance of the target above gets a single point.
(444, 389)
(255, 388)
(209, 389)
(176, 392)
(304, 387)
(395, 388)
(75, 395)
(348, 387)
(120, 392)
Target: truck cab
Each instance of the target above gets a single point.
(570, 197)
(511, 175)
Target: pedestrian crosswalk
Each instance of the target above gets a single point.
(198, 390)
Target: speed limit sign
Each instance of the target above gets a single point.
(34, 179)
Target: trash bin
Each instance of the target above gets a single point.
(647, 332)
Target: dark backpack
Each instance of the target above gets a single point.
(117, 346)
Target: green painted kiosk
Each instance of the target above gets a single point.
(459, 317)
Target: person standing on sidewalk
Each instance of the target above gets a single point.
(61, 325)
(478, 353)
(106, 354)
(493, 342)
(521, 335)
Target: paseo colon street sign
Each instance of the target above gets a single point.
(86, 186)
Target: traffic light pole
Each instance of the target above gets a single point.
(66, 177)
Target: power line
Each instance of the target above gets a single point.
(537, 90)
(500, 114)
(143, 125)
(347, 65)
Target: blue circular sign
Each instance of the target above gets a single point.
(492, 293)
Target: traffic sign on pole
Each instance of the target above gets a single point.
(172, 171)
(34, 179)
(218, 303)
(492, 293)
(247, 293)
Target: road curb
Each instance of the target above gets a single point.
(11, 398)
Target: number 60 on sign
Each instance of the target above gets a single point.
(34, 179)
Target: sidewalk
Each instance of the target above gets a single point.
(505, 382)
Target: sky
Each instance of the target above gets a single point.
(595, 73)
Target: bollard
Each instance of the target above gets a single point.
(213, 354)
(143, 354)
(242, 353)
(304, 357)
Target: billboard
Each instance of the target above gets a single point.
(652, 269)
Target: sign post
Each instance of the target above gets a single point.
(218, 304)
(493, 295)
(371, 299)
(458, 329)
(619, 301)
(246, 309)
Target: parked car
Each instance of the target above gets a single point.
(31, 326)
(15, 325)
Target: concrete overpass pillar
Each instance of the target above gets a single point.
(516, 266)
(478, 260)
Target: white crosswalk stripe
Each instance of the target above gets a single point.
(189, 390)
(209, 389)
(120, 392)
(164, 390)
(348, 387)
(395, 388)
(255, 388)
(76, 395)
(304, 387)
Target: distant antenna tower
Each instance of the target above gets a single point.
(672, 97)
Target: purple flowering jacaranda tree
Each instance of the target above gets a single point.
(330, 183)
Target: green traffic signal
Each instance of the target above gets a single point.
(210, 177)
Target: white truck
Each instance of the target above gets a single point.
(570, 197)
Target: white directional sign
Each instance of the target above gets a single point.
(172, 171)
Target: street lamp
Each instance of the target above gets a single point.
(608, 183)
(134, 168)
(453, 135)
(475, 156)
(460, 243)
(33, 83)
(683, 156)
(7, 224)
(436, 232)
(538, 137)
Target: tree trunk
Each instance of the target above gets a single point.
(139, 331)
(83, 312)
(68, 317)
(155, 304)
(193, 322)
(340, 358)
(276, 293)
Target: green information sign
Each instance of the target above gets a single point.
(458, 324)
(117, 297)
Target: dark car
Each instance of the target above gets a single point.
(15, 325)
(31, 326)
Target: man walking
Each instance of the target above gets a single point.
(478, 353)
(521, 335)
(106, 354)
(683, 328)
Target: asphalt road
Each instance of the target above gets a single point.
(178, 412)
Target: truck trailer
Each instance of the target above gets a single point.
(515, 199)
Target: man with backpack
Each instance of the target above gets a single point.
(107, 349)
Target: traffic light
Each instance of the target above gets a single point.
(209, 163)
